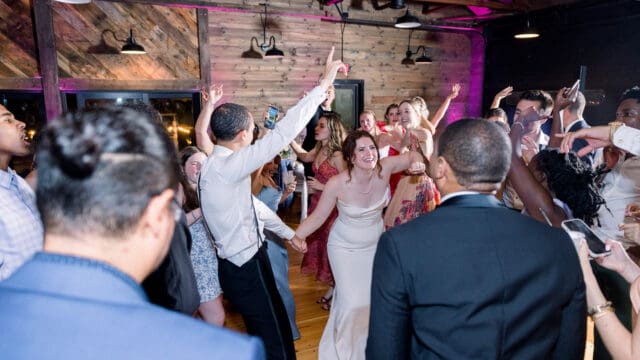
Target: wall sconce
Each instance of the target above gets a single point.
(131, 46)
(529, 32)
(407, 21)
(422, 59)
(269, 48)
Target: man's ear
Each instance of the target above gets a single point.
(158, 216)
(440, 168)
(242, 135)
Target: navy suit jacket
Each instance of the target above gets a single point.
(580, 143)
(474, 280)
(64, 307)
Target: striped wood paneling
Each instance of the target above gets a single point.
(374, 52)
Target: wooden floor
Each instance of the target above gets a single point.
(310, 317)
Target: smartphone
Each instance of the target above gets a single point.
(572, 88)
(272, 116)
(576, 228)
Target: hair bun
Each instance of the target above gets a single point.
(77, 149)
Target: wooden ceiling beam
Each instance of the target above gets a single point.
(490, 4)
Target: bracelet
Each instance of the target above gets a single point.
(599, 311)
(613, 127)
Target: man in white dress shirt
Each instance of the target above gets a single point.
(236, 219)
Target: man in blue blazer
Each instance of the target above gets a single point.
(473, 279)
(106, 186)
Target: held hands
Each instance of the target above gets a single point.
(299, 244)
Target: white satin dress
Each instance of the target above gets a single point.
(351, 247)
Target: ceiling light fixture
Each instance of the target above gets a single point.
(131, 46)
(529, 32)
(407, 21)
(269, 48)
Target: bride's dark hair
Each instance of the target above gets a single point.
(349, 148)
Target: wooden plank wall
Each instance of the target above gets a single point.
(168, 34)
(375, 53)
(18, 51)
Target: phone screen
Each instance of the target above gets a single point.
(596, 245)
(270, 121)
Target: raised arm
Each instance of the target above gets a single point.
(244, 161)
(209, 99)
(620, 343)
(501, 95)
(303, 155)
(439, 114)
(564, 98)
(535, 197)
(410, 160)
(323, 209)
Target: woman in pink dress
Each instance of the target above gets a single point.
(327, 162)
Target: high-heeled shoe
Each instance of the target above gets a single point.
(324, 300)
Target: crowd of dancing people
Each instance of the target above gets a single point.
(433, 240)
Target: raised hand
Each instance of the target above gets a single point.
(501, 95)
(331, 69)
(565, 97)
(212, 96)
(455, 91)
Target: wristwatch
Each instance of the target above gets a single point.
(613, 126)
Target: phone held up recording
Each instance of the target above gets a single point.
(272, 116)
(577, 229)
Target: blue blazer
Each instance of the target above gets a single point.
(64, 307)
(474, 280)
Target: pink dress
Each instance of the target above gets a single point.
(316, 260)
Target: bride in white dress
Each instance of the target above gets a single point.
(360, 193)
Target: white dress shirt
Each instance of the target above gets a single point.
(627, 138)
(225, 186)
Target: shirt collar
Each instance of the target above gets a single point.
(6, 177)
(570, 125)
(457, 193)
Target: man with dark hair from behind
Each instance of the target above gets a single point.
(236, 219)
(105, 191)
(473, 279)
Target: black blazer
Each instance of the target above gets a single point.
(474, 280)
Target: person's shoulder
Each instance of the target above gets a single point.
(196, 336)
